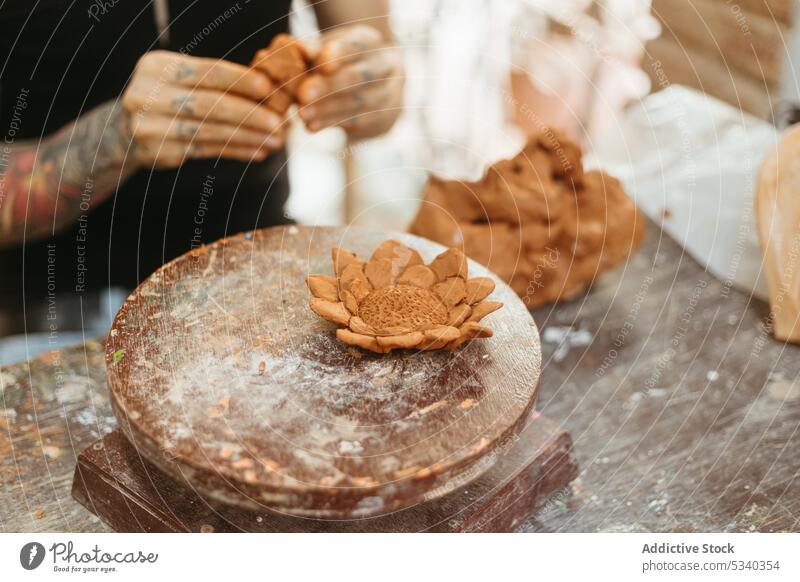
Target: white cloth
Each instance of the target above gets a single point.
(691, 164)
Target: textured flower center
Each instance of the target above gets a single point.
(404, 307)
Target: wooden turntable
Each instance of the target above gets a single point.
(239, 410)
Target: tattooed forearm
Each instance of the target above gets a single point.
(174, 108)
(45, 183)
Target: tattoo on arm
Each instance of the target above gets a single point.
(46, 185)
(184, 72)
(187, 130)
(183, 105)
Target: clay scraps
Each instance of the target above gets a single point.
(537, 220)
(395, 301)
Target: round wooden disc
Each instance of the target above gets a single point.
(221, 374)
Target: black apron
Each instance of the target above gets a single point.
(68, 56)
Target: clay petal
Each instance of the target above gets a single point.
(349, 301)
(405, 341)
(360, 288)
(418, 276)
(399, 253)
(474, 329)
(322, 286)
(341, 259)
(358, 325)
(379, 273)
(469, 330)
(333, 312)
(434, 345)
(352, 272)
(451, 291)
(451, 263)
(439, 336)
(455, 343)
(356, 339)
(478, 289)
(442, 332)
(483, 309)
(459, 314)
(392, 330)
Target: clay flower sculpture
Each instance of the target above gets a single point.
(394, 300)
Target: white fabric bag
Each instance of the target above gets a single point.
(691, 163)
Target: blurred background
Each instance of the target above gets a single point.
(484, 74)
(481, 75)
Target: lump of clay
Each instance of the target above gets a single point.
(395, 301)
(285, 61)
(537, 220)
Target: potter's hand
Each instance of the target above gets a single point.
(356, 83)
(179, 107)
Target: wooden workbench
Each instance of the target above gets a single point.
(684, 412)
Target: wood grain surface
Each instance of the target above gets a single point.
(221, 374)
(684, 411)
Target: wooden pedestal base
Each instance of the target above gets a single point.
(130, 495)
